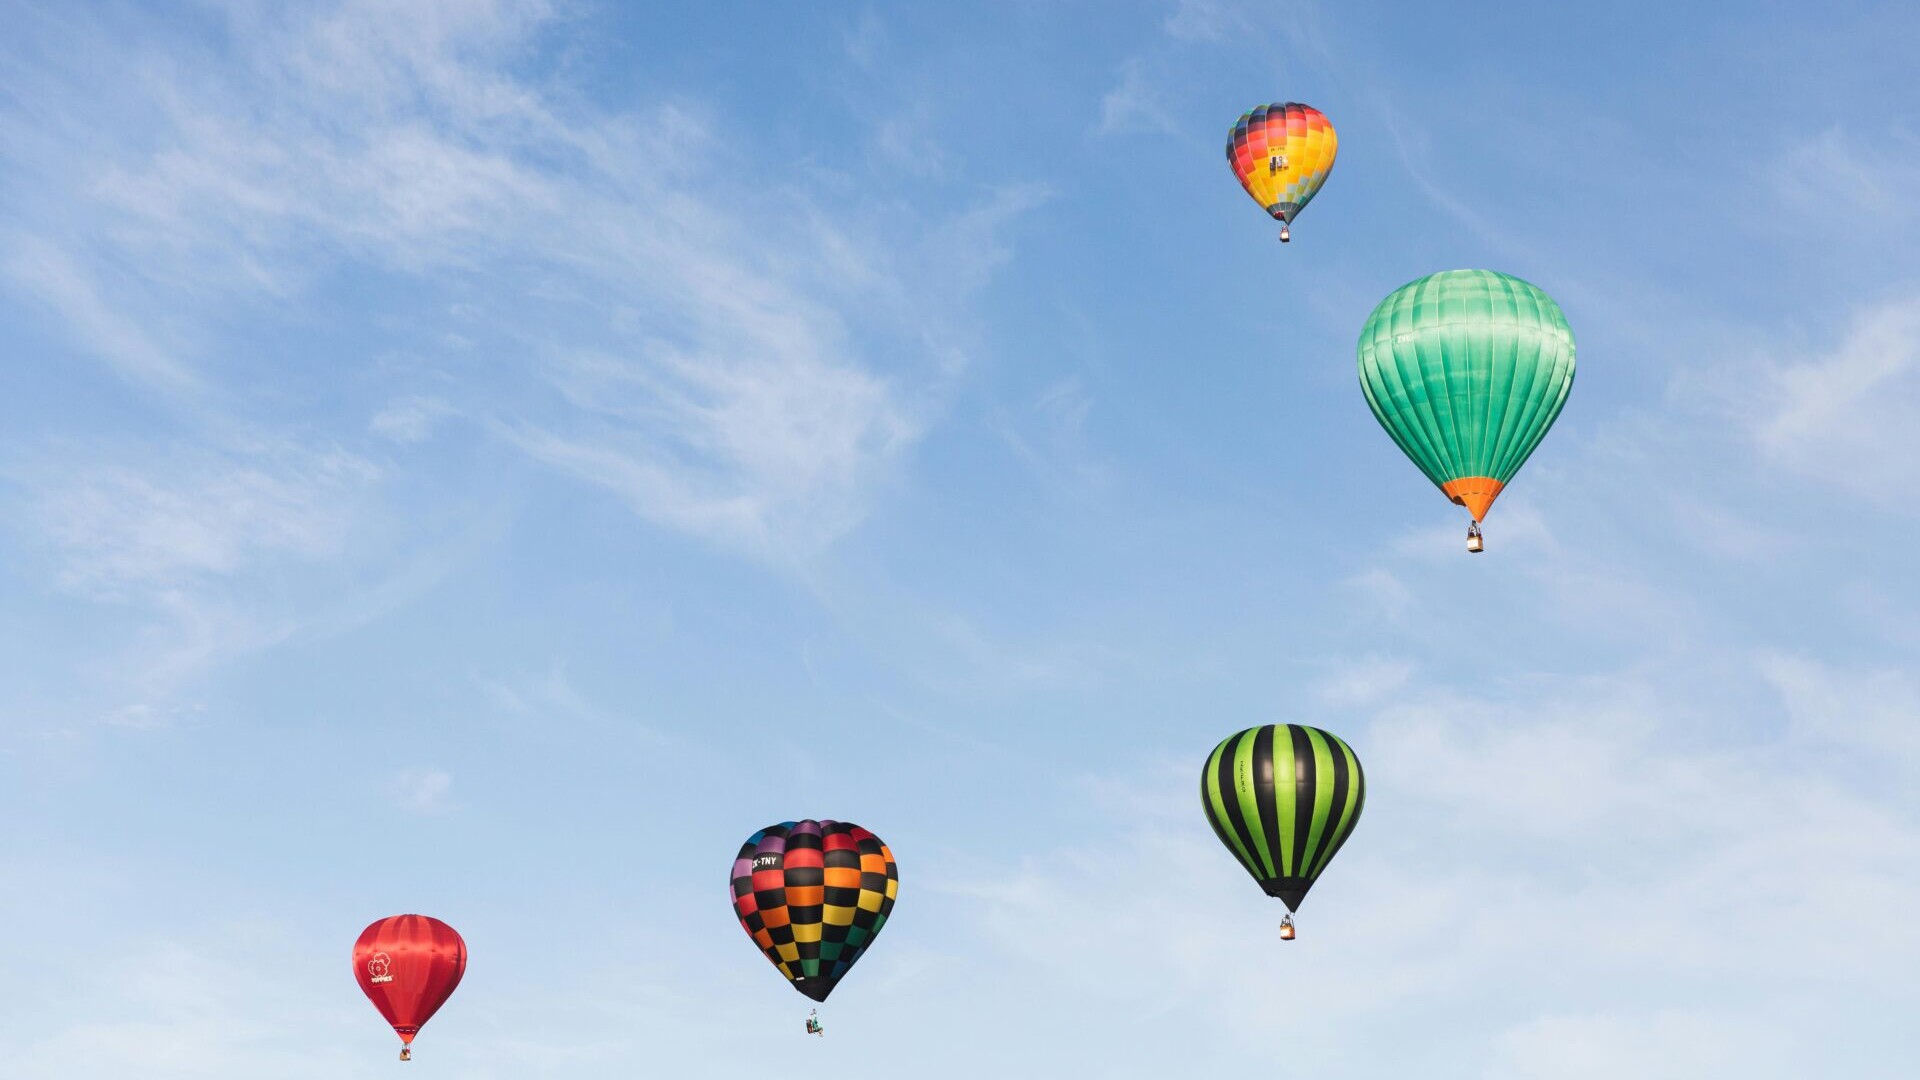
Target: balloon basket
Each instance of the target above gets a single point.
(1474, 542)
(1286, 929)
(406, 1053)
(1285, 236)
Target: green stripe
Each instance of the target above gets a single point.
(1467, 370)
(1308, 828)
(1217, 810)
(1322, 788)
(1286, 785)
(1349, 811)
(1249, 802)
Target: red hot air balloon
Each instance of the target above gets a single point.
(408, 965)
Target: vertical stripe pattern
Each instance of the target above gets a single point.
(1466, 370)
(1283, 799)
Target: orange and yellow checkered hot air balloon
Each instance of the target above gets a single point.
(1282, 154)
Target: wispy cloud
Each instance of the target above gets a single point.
(548, 698)
(169, 1010)
(1134, 104)
(708, 374)
(1362, 681)
(1665, 1044)
(159, 519)
(612, 293)
(1204, 20)
(410, 419)
(420, 790)
(1838, 177)
(1878, 711)
(745, 445)
(1050, 436)
(57, 278)
(1851, 415)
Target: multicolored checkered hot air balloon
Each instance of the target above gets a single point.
(1281, 155)
(1283, 798)
(812, 895)
(1467, 369)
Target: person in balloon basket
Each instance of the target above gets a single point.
(813, 1023)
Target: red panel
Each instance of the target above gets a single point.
(408, 965)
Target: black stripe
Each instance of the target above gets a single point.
(1304, 780)
(1231, 802)
(1359, 804)
(1207, 779)
(1263, 794)
(1337, 810)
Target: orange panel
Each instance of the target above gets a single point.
(1476, 493)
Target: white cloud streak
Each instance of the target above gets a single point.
(1850, 416)
(762, 362)
(421, 790)
(184, 516)
(1134, 104)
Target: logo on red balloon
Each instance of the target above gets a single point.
(378, 967)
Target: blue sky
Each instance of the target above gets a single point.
(489, 458)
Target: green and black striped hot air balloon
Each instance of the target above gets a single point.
(1283, 798)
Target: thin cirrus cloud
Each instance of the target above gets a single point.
(421, 790)
(119, 525)
(1134, 104)
(1848, 415)
(1867, 178)
(57, 279)
(691, 339)
(586, 287)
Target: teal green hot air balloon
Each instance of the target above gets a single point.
(1467, 369)
(1283, 798)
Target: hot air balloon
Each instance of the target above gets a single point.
(408, 965)
(813, 895)
(1283, 798)
(1467, 369)
(1281, 155)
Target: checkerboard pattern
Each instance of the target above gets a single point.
(813, 895)
(1281, 155)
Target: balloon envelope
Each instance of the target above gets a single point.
(1283, 798)
(812, 895)
(1282, 154)
(1467, 369)
(408, 965)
